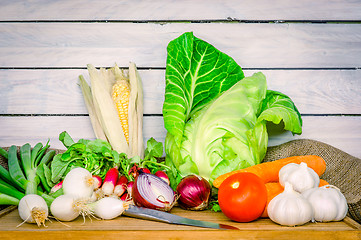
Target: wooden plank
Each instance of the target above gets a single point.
(56, 91)
(180, 10)
(131, 228)
(183, 235)
(343, 132)
(254, 46)
(12, 220)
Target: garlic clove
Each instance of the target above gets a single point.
(290, 208)
(299, 175)
(328, 203)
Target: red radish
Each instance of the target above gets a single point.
(121, 186)
(134, 171)
(145, 170)
(125, 197)
(110, 180)
(162, 175)
(56, 187)
(97, 181)
(129, 188)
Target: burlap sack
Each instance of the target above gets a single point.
(342, 169)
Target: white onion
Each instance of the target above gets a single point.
(33, 209)
(79, 183)
(108, 207)
(65, 208)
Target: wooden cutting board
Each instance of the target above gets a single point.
(132, 228)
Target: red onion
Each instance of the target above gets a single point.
(194, 193)
(152, 192)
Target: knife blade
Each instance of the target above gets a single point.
(160, 216)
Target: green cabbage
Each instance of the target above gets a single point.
(214, 116)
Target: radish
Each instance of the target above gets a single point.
(97, 181)
(121, 186)
(161, 174)
(110, 180)
(33, 209)
(125, 197)
(79, 183)
(97, 194)
(56, 187)
(108, 207)
(66, 208)
(129, 188)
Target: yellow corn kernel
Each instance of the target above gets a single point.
(120, 95)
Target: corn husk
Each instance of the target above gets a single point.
(136, 111)
(88, 98)
(106, 112)
(102, 110)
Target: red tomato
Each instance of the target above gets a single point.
(242, 197)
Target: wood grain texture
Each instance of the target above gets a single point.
(252, 45)
(131, 228)
(56, 91)
(343, 132)
(157, 10)
(205, 234)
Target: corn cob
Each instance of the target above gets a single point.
(120, 95)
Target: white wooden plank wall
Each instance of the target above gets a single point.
(309, 50)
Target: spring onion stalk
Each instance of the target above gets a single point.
(10, 190)
(3, 153)
(5, 175)
(26, 173)
(8, 200)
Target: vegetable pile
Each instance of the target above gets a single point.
(88, 179)
(216, 140)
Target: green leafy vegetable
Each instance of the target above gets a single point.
(214, 116)
(96, 156)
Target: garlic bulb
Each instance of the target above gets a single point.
(300, 176)
(289, 208)
(328, 203)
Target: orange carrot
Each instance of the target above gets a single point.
(275, 188)
(268, 171)
(323, 183)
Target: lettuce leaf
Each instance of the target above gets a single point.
(214, 116)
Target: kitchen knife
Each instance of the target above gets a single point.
(160, 216)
